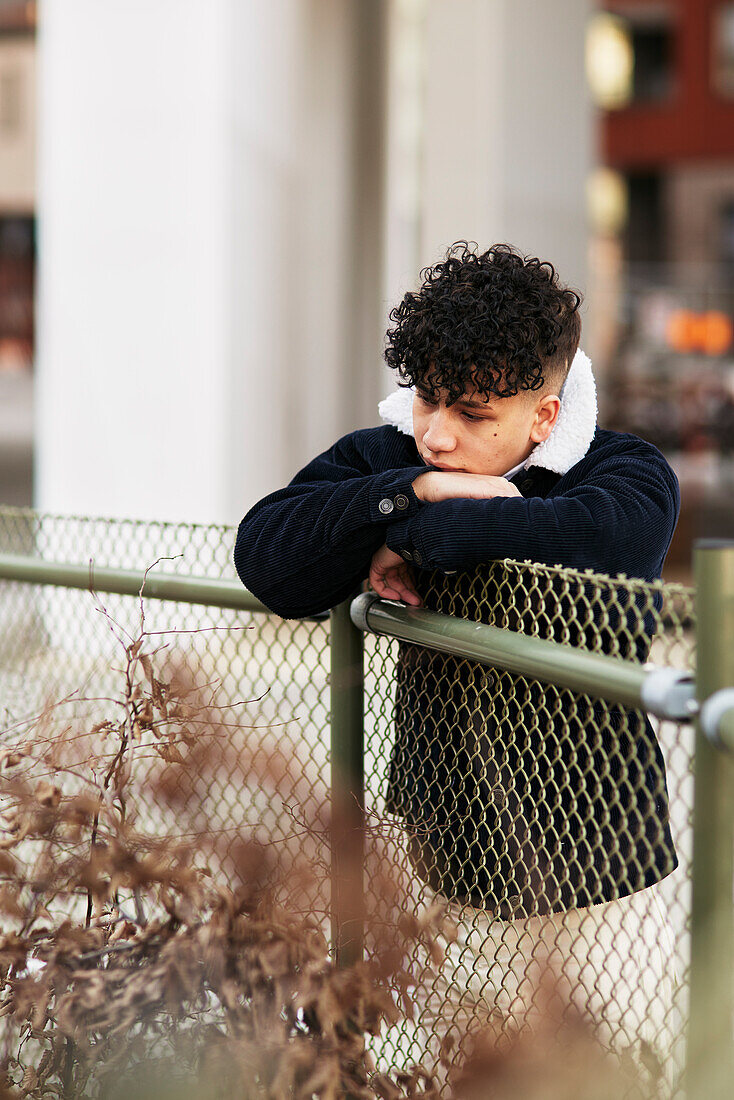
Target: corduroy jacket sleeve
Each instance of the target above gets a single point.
(308, 546)
(613, 512)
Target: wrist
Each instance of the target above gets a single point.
(422, 486)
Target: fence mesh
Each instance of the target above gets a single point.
(261, 684)
(542, 815)
(519, 804)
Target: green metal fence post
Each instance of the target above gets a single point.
(347, 787)
(709, 1060)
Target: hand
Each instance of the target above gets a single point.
(436, 485)
(392, 578)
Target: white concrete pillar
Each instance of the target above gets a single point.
(194, 182)
(196, 244)
(508, 144)
(133, 197)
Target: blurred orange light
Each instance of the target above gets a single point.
(682, 330)
(717, 332)
(711, 332)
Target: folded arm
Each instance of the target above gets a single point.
(308, 546)
(619, 519)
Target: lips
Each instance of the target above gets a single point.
(441, 466)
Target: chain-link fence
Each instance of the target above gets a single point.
(261, 683)
(543, 814)
(557, 825)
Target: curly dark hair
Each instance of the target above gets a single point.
(496, 322)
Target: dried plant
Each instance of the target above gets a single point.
(166, 957)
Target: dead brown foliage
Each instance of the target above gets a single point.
(178, 957)
(168, 958)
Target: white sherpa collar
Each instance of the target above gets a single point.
(568, 442)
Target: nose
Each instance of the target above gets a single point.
(439, 436)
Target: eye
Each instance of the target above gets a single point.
(425, 399)
(468, 416)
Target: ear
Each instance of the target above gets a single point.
(546, 415)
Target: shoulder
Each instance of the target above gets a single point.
(606, 441)
(625, 457)
(621, 447)
(377, 449)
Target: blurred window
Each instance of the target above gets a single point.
(644, 235)
(650, 30)
(652, 46)
(726, 237)
(17, 238)
(723, 49)
(17, 16)
(17, 269)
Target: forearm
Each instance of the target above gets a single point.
(590, 531)
(308, 546)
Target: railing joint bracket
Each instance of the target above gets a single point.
(713, 711)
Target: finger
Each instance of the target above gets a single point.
(377, 579)
(412, 598)
(401, 581)
(381, 582)
(411, 595)
(388, 592)
(390, 586)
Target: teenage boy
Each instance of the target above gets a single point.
(526, 813)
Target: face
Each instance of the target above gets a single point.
(482, 437)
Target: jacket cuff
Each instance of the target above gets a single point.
(392, 496)
(403, 538)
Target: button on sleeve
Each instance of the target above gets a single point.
(392, 495)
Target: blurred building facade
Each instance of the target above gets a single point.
(17, 247)
(17, 182)
(674, 139)
(664, 248)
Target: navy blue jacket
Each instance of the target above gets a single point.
(308, 546)
(604, 832)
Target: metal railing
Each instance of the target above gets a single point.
(552, 656)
